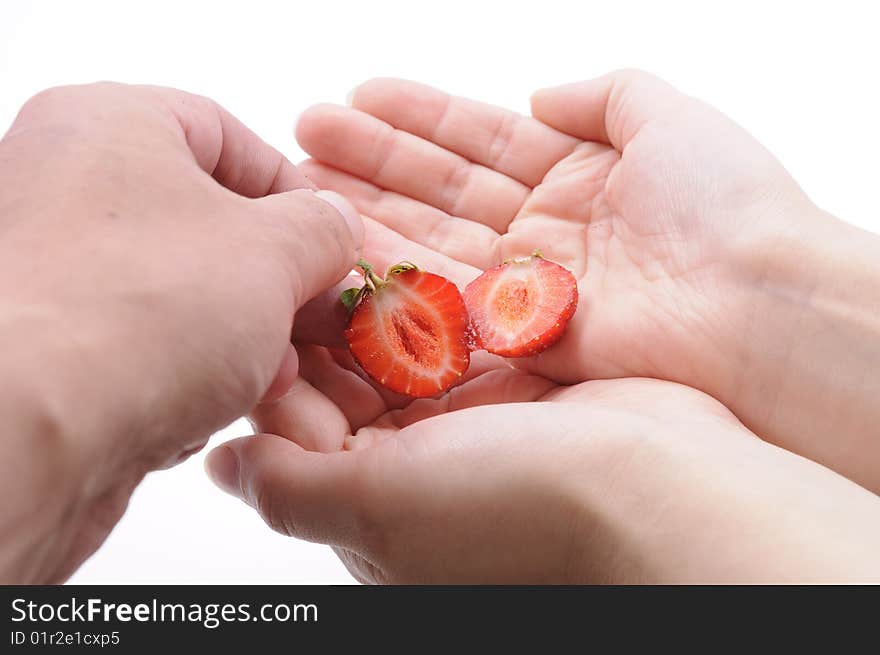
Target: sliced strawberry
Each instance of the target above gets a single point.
(521, 307)
(408, 331)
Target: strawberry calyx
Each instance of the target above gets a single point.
(372, 282)
(521, 260)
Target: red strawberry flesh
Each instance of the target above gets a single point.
(410, 334)
(521, 307)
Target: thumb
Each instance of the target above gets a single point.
(313, 496)
(609, 109)
(319, 235)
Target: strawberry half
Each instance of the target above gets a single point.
(521, 307)
(409, 330)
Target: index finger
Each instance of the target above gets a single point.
(228, 150)
(515, 145)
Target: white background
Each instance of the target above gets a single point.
(802, 78)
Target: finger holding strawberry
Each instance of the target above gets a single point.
(330, 377)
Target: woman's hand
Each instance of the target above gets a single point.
(699, 259)
(511, 479)
(153, 252)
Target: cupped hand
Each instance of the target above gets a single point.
(651, 198)
(510, 478)
(699, 259)
(671, 217)
(154, 252)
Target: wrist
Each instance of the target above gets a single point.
(700, 499)
(58, 460)
(769, 282)
(800, 367)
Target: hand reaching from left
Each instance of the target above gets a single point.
(153, 252)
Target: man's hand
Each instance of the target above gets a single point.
(511, 479)
(153, 253)
(699, 259)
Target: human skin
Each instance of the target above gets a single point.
(133, 222)
(689, 248)
(699, 259)
(153, 253)
(510, 478)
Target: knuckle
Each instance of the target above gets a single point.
(61, 96)
(55, 94)
(308, 227)
(377, 84)
(631, 75)
(272, 506)
(73, 109)
(268, 506)
(260, 487)
(48, 101)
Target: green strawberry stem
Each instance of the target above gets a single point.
(351, 297)
(373, 280)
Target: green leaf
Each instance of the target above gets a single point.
(350, 298)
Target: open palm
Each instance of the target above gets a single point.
(654, 200)
(662, 208)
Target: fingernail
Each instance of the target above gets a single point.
(222, 467)
(349, 99)
(349, 213)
